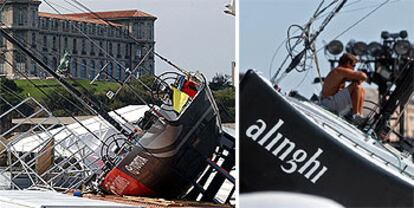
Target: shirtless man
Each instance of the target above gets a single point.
(336, 97)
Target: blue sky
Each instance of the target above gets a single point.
(195, 34)
(263, 26)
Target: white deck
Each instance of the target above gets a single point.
(382, 155)
(48, 199)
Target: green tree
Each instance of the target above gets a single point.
(225, 100)
(224, 95)
(220, 81)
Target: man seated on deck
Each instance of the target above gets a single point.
(335, 97)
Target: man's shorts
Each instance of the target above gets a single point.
(340, 103)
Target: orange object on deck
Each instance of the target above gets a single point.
(120, 183)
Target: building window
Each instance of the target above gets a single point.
(2, 42)
(92, 49)
(54, 43)
(93, 69)
(56, 25)
(110, 71)
(33, 39)
(119, 72)
(110, 48)
(127, 51)
(93, 31)
(125, 32)
(151, 32)
(2, 58)
(100, 30)
(74, 68)
(45, 43)
(118, 50)
(83, 74)
(20, 17)
(47, 24)
(75, 27)
(135, 28)
(20, 62)
(65, 25)
(72, 27)
(21, 36)
(65, 43)
(54, 63)
(45, 60)
(34, 68)
(138, 53)
(140, 30)
(83, 46)
(75, 46)
(118, 32)
(101, 48)
(101, 65)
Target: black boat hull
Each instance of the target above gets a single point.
(282, 150)
(169, 156)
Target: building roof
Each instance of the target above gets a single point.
(123, 14)
(74, 18)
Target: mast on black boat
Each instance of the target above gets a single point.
(306, 39)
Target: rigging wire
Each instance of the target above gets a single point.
(308, 38)
(291, 49)
(358, 21)
(302, 81)
(317, 18)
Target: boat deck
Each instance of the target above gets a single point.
(368, 146)
(152, 202)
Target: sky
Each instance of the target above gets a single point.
(264, 23)
(195, 34)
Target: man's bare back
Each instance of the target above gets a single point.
(335, 81)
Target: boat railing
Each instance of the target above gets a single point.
(371, 153)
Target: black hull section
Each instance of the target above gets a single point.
(286, 163)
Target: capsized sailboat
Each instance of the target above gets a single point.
(175, 149)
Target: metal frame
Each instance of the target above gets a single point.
(74, 160)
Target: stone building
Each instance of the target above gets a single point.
(91, 41)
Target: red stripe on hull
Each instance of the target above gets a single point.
(120, 183)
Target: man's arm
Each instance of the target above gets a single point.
(351, 75)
